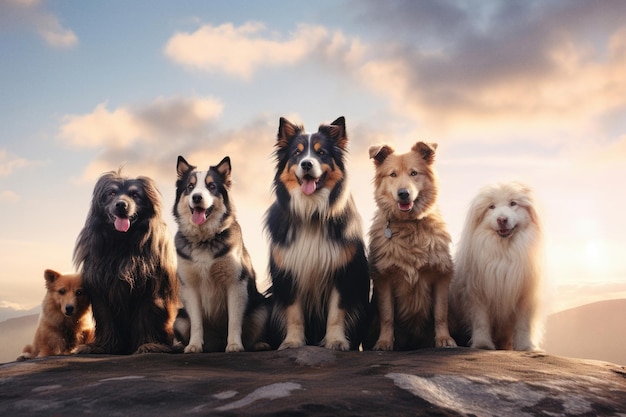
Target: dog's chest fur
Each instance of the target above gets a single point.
(413, 245)
(210, 275)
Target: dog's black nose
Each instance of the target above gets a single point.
(502, 220)
(403, 194)
(69, 310)
(121, 204)
(196, 198)
(306, 165)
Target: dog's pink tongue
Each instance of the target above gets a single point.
(308, 186)
(198, 216)
(122, 225)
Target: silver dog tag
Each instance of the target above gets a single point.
(388, 231)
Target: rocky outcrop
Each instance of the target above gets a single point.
(313, 381)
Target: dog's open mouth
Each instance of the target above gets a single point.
(504, 233)
(200, 214)
(402, 206)
(309, 185)
(122, 224)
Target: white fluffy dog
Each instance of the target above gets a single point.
(495, 291)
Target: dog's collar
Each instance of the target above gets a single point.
(389, 233)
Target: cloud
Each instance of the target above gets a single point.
(9, 163)
(146, 139)
(9, 196)
(507, 66)
(121, 128)
(32, 15)
(241, 51)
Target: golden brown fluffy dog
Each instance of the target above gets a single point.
(65, 320)
(410, 261)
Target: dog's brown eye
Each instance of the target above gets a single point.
(513, 204)
(79, 292)
(134, 194)
(112, 193)
(211, 186)
(62, 291)
(321, 152)
(297, 152)
(492, 207)
(414, 173)
(190, 187)
(393, 175)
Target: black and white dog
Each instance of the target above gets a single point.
(223, 309)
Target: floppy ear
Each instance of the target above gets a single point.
(224, 169)
(426, 150)
(182, 167)
(379, 153)
(286, 131)
(50, 276)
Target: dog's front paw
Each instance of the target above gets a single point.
(383, 345)
(193, 348)
(444, 342)
(235, 347)
(290, 344)
(483, 344)
(341, 345)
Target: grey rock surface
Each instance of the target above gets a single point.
(313, 381)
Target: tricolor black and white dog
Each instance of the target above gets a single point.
(223, 309)
(319, 271)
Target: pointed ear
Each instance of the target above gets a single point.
(182, 167)
(337, 131)
(50, 276)
(286, 131)
(379, 153)
(426, 150)
(224, 169)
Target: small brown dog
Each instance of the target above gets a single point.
(65, 320)
(410, 260)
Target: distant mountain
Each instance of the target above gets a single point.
(11, 313)
(14, 334)
(591, 331)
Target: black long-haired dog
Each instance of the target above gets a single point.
(126, 256)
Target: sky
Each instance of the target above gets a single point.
(523, 90)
